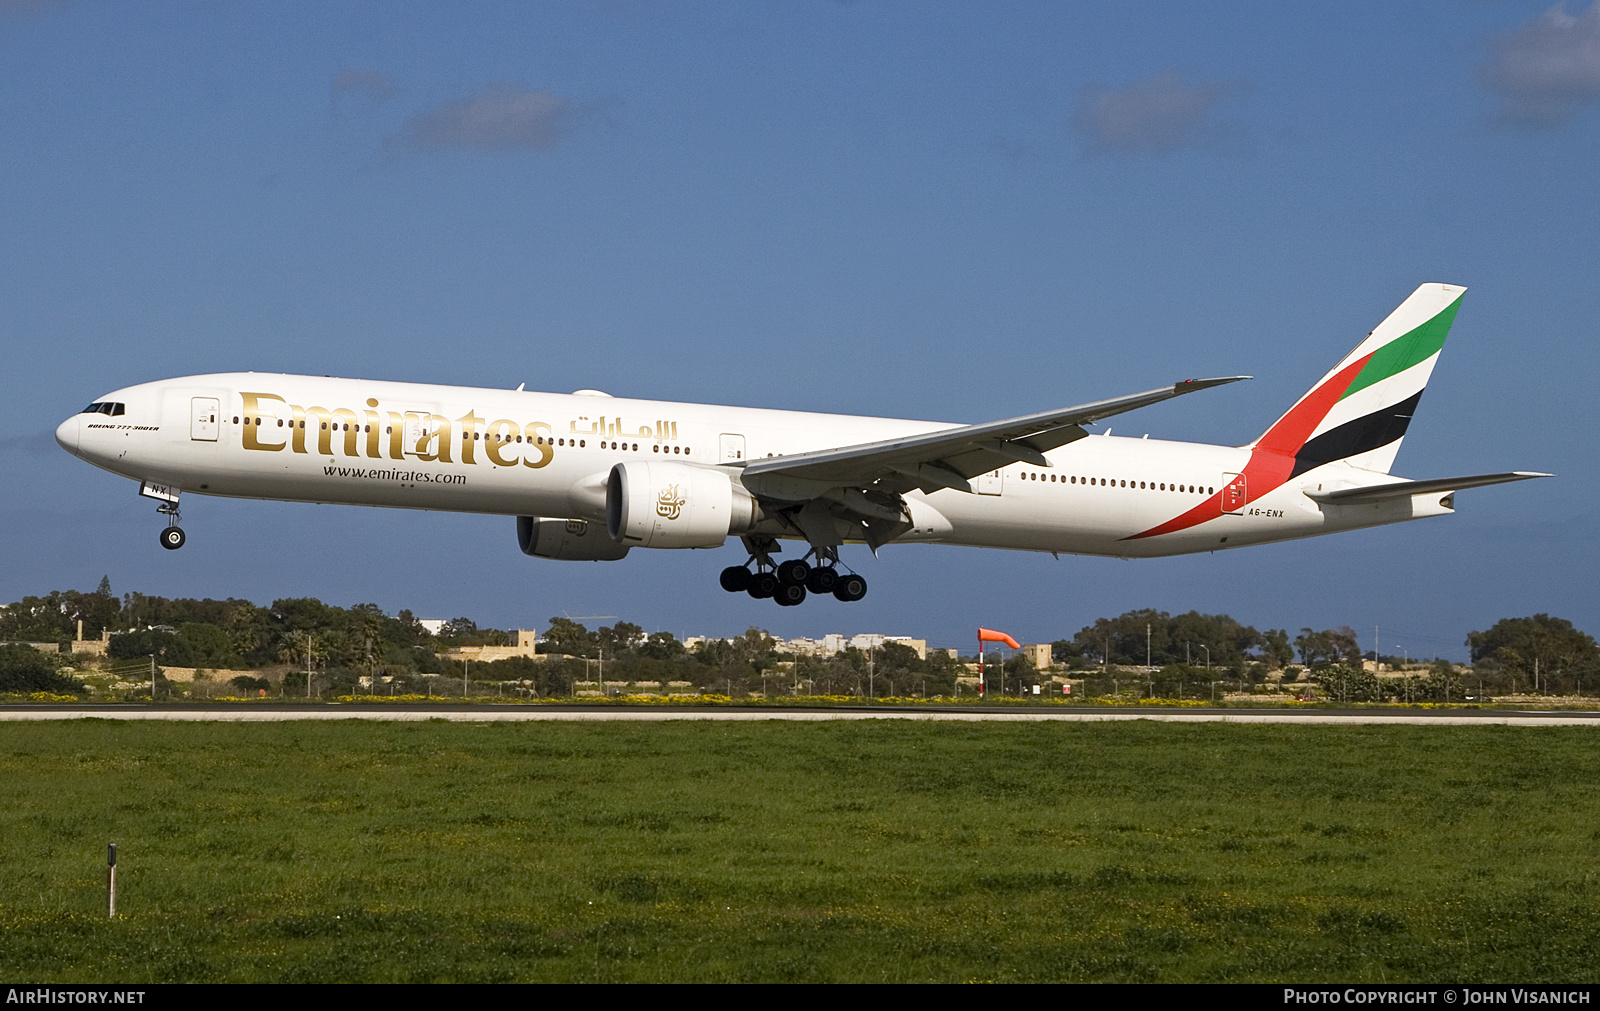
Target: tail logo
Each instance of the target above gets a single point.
(1360, 410)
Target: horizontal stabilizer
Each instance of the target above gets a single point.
(1405, 489)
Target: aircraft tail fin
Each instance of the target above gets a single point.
(1360, 410)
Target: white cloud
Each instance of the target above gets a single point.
(502, 117)
(1548, 69)
(1154, 116)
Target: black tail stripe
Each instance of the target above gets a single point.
(1362, 435)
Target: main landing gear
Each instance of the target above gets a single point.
(172, 537)
(789, 582)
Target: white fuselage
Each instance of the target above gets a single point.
(418, 446)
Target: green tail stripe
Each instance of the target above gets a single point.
(1403, 352)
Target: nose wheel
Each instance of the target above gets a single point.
(172, 537)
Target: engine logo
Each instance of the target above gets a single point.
(669, 504)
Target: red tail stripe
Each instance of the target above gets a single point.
(1294, 428)
(1272, 459)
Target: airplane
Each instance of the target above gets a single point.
(590, 477)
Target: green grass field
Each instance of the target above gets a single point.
(882, 851)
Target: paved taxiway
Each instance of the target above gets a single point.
(255, 713)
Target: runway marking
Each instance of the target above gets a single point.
(520, 715)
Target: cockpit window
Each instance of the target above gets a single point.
(105, 407)
(92, 408)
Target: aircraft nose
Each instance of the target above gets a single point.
(67, 434)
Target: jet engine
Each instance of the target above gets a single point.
(567, 540)
(675, 505)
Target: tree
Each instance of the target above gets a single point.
(1276, 650)
(898, 666)
(1021, 674)
(1443, 683)
(567, 636)
(940, 671)
(165, 646)
(207, 645)
(1186, 638)
(1327, 646)
(543, 677)
(1542, 647)
(615, 640)
(465, 632)
(25, 669)
(1345, 683)
(1067, 652)
(661, 646)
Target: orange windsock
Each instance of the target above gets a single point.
(990, 635)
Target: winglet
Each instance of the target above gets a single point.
(1190, 385)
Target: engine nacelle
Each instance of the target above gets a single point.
(675, 505)
(567, 540)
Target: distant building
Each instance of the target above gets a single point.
(825, 646)
(1038, 655)
(43, 647)
(93, 647)
(876, 641)
(433, 625)
(834, 643)
(526, 646)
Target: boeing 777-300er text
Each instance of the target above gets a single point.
(590, 477)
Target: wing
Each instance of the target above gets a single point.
(856, 492)
(951, 457)
(1405, 489)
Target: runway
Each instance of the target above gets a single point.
(271, 713)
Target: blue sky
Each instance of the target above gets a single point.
(960, 212)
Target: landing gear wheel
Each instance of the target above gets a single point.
(794, 572)
(763, 585)
(172, 538)
(790, 594)
(823, 579)
(850, 588)
(735, 579)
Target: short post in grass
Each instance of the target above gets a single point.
(111, 881)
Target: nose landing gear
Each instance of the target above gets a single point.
(172, 537)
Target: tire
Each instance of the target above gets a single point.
(794, 572)
(172, 538)
(762, 585)
(850, 588)
(823, 579)
(735, 579)
(790, 595)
